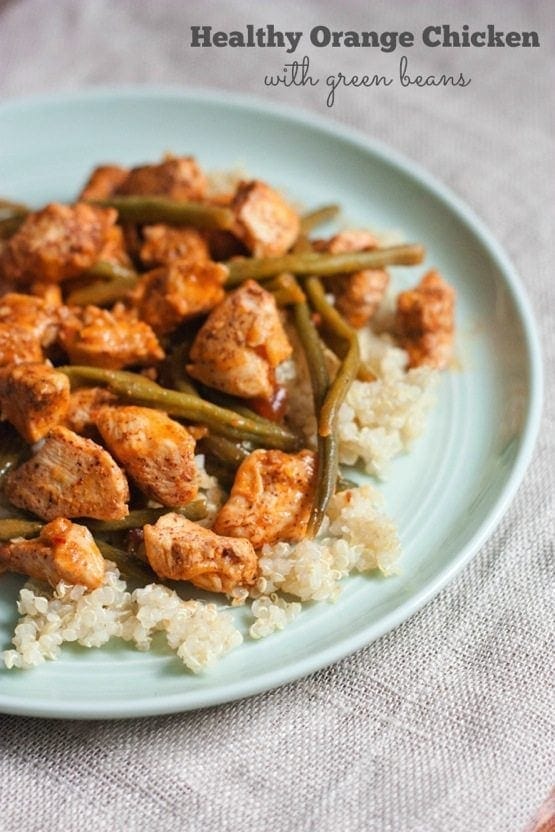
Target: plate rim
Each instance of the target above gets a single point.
(187, 701)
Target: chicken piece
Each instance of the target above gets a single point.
(357, 295)
(164, 243)
(18, 344)
(34, 313)
(34, 398)
(69, 476)
(357, 239)
(265, 222)
(271, 498)
(114, 250)
(64, 551)
(425, 321)
(103, 182)
(156, 452)
(177, 292)
(57, 243)
(100, 338)
(181, 550)
(177, 177)
(241, 343)
(83, 406)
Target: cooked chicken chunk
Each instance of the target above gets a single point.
(181, 290)
(35, 313)
(156, 452)
(103, 182)
(271, 498)
(357, 239)
(69, 476)
(181, 550)
(164, 243)
(425, 321)
(357, 295)
(112, 340)
(34, 398)
(114, 251)
(241, 343)
(177, 177)
(265, 222)
(18, 344)
(64, 551)
(83, 406)
(57, 243)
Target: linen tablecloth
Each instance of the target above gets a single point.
(446, 723)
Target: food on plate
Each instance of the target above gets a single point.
(184, 368)
(69, 476)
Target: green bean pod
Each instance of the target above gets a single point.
(312, 219)
(114, 284)
(314, 263)
(130, 567)
(154, 209)
(196, 510)
(13, 527)
(143, 391)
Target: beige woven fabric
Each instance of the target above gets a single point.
(446, 723)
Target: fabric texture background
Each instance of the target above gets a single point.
(446, 723)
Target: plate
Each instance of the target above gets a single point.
(447, 496)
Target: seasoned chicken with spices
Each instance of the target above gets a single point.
(35, 313)
(241, 343)
(18, 344)
(69, 476)
(180, 550)
(103, 182)
(266, 223)
(425, 321)
(163, 243)
(34, 398)
(155, 451)
(56, 243)
(270, 499)
(100, 338)
(177, 177)
(172, 294)
(64, 551)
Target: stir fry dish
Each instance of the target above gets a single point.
(186, 370)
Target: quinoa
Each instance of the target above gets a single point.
(200, 633)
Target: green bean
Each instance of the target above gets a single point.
(152, 209)
(349, 367)
(228, 453)
(116, 281)
(12, 527)
(129, 566)
(285, 289)
(311, 262)
(196, 510)
(319, 216)
(329, 412)
(327, 459)
(141, 390)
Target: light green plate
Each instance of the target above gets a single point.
(446, 497)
